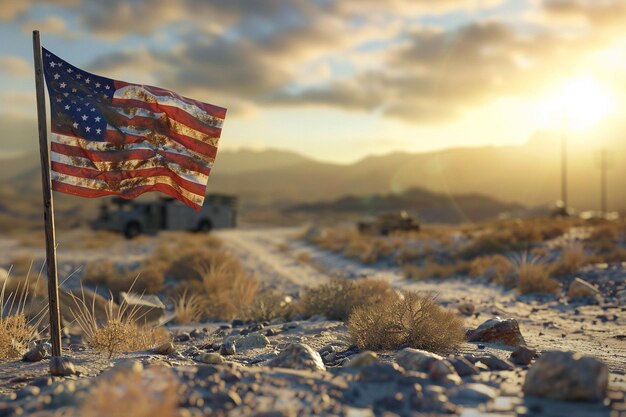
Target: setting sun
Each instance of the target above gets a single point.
(583, 102)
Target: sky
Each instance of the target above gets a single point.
(337, 80)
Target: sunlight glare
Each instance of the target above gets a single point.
(583, 102)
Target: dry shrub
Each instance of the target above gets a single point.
(434, 270)
(533, 276)
(133, 392)
(495, 268)
(193, 263)
(572, 258)
(303, 257)
(149, 279)
(188, 308)
(410, 320)
(119, 332)
(269, 305)
(337, 298)
(229, 289)
(16, 329)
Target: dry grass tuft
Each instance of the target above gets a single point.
(188, 308)
(229, 289)
(16, 329)
(269, 305)
(119, 332)
(533, 276)
(149, 393)
(149, 279)
(496, 268)
(411, 320)
(572, 258)
(435, 270)
(337, 298)
(192, 264)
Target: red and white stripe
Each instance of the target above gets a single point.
(156, 140)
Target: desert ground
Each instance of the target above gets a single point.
(301, 362)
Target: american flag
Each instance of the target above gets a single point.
(111, 137)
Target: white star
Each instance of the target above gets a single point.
(97, 119)
(66, 94)
(75, 125)
(47, 55)
(60, 64)
(98, 131)
(62, 85)
(84, 116)
(52, 64)
(97, 85)
(57, 76)
(79, 109)
(58, 100)
(107, 87)
(87, 80)
(69, 71)
(67, 107)
(87, 128)
(79, 76)
(93, 109)
(74, 90)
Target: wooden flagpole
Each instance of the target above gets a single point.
(48, 207)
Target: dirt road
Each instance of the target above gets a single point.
(279, 258)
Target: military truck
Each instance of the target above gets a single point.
(385, 224)
(132, 217)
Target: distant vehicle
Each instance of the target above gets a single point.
(385, 224)
(133, 218)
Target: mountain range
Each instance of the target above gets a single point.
(507, 177)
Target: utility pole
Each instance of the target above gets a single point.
(604, 166)
(564, 165)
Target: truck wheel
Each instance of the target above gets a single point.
(132, 230)
(204, 226)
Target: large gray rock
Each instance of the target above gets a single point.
(497, 330)
(298, 356)
(567, 376)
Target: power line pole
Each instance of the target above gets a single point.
(604, 166)
(564, 166)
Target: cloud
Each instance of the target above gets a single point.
(15, 66)
(50, 25)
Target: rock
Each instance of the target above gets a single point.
(148, 308)
(252, 341)
(37, 353)
(416, 360)
(463, 367)
(472, 394)
(467, 309)
(198, 334)
(443, 372)
(497, 330)
(496, 364)
(209, 358)
(237, 323)
(362, 359)
(62, 366)
(228, 348)
(567, 376)
(182, 337)
(379, 373)
(522, 355)
(298, 356)
(580, 288)
(164, 349)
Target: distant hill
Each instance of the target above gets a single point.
(526, 175)
(427, 206)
